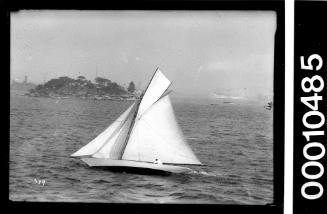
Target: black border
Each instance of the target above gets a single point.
(309, 38)
(278, 110)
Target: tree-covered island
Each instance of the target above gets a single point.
(66, 87)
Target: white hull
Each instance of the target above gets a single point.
(134, 165)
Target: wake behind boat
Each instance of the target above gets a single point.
(145, 138)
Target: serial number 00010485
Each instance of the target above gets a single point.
(314, 87)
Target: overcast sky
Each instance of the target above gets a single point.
(201, 52)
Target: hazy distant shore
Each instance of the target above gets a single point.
(66, 87)
(91, 97)
(76, 90)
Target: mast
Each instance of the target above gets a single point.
(129, 131)
(134, 117)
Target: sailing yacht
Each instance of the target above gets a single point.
(146, 137)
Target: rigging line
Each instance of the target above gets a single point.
(150, 81)
(136, 112)
(138, 138)
(166, 92)
(148, 109)
(122, 146)
(161, 96)
(113, 134)
(118, 121)
(162, 138)
(131, 128)
(170, 82)
(135, 115)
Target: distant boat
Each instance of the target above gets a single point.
(98, 97)
(226, 102)
(269, 106)
(145, 138)
(220, 96)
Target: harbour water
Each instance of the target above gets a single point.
(233, 140)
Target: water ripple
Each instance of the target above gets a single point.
(233, 141)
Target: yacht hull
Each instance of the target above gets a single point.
(134, 166)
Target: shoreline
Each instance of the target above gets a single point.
(90, 97)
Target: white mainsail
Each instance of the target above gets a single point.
(156, 134)
(105, 137)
